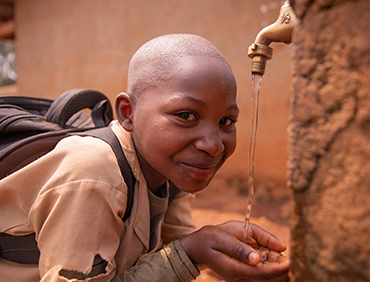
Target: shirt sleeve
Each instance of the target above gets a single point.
(169, 264)
(77, 213)
(177, 220)
(76, 224)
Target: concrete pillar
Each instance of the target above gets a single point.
(329, 141)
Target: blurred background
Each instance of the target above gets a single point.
(50, 46)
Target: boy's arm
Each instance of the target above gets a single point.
(219, 248)
(169, 264)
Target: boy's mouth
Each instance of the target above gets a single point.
(201, 170)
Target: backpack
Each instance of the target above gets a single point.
(30, 127)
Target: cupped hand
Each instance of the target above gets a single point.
(256, 236)
(221, 249)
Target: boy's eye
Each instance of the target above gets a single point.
(227, 121)
(187, 116)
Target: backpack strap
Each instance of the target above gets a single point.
(20, 249)
(106, 134)
(33, 105)
(75, 100)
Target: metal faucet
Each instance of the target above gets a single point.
(280, 31)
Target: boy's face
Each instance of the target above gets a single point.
(184, 129)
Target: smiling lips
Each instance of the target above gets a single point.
(202, 169)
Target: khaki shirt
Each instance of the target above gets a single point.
(74, 198)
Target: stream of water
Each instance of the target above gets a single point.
(256, 85)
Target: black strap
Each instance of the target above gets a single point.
(21, 249)
(106, 134)
(75, 100)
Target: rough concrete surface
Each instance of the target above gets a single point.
(329, 142)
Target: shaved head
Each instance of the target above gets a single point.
(152, 63)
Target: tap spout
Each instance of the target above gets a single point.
(279, 31)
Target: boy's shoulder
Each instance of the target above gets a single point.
(85, 149)
(80, 158)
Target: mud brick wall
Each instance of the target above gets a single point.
(329, 141)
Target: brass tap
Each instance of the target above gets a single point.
(280, 31)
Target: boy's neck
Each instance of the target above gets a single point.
(161, 191)
(154, 180)
(155, 188)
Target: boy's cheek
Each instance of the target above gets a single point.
(231, 147)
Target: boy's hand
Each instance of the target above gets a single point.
(221, 249)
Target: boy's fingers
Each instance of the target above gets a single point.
(266, 239)
(240, 267)
(253, 258)
(256, 236)
(231, 258)
(234, 248)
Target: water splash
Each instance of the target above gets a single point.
(256, 85)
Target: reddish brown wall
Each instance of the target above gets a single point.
(88, 43)
(329, 142)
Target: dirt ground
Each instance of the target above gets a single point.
(226, 199)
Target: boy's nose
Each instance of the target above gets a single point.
(210, 142)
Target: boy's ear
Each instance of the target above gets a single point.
(124, 111)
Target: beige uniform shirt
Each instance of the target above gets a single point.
(74, 198)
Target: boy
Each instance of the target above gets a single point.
(176, 122)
